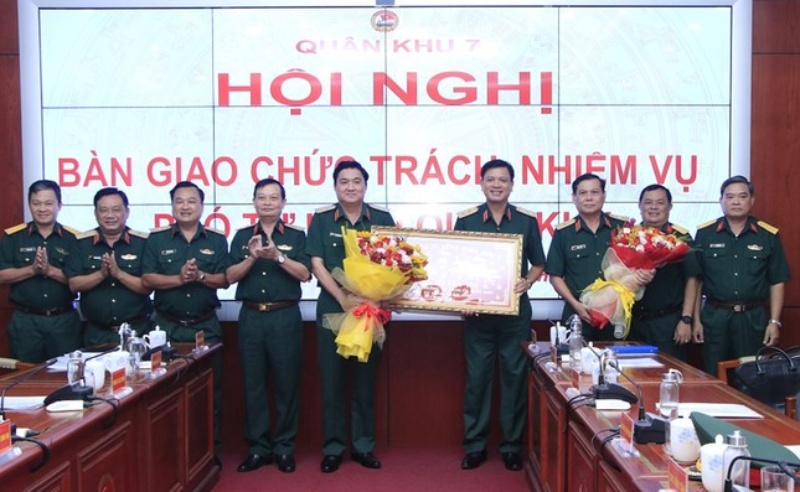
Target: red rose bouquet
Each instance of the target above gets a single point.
(377, 267)
(633, 247)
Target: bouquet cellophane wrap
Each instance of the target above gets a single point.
(361, 326)
(610, 300)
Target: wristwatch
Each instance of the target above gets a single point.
(281, 258)
(776, 323)
(687, 319)
(202, 277)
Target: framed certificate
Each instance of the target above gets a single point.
(467, 271)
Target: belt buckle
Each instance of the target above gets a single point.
(49, 312)
(738, 308)
(263, 307)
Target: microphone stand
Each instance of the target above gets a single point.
(783, 465)
(647, 429)
(610, 391)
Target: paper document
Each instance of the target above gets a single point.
(722, 410)
(24, 402)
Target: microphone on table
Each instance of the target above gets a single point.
(17, 381)
(783, 465)
(610, 391)
(647, 428)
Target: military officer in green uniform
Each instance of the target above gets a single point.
(327, 252)
(576, 252)
(106, 269)
(744, 269)
(269, 261)
(32, 258)
(488, 338)
(185, 264)
(663, 317)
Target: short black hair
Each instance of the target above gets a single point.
(736, 179)
(186, 184)
(269, 181)
(496, 163)
(44, 184)
(349, 165)
(586, 177)
(654, 187)
(108, 191)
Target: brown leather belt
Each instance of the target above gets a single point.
(134, 321)
(265, 307)
(44, 312)
(188, 321)
(736, 308)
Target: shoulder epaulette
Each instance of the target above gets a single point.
(85, 234)
(619, 217)
(221, 233)
(467, 212)
(160, 229)
(527, 212)
(326, 208)
(768, 227)
(295, 227)
(16, 229)
(565, 224)
(74, 231)
(680, 229)
(141, 234)
(381, 209)
(706, 224)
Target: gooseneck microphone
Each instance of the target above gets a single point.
(783, 465)
(610, 391)
(646, 428)
(24, 378)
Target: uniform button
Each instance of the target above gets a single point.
(263, 273)
(735, 256)
(114, 318)
(334, 245)
(263, 291)
(94, 267)
(735, 274)
(188, 295)
(113, 301)
(45, 295)
(113, 284)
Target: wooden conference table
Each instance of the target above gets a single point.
(565, 450)
(160, 437)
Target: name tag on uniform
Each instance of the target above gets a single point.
(716, 245)
(28, 249)
(335, 234)
(577, 247)
(166, 252)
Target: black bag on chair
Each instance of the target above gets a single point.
(774, 375)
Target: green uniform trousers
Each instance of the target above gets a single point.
(730, 335)
(271, 347)
(333, 374)
(488, 338)
(36, 338)
(659, 332)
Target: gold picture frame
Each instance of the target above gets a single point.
(467, 271)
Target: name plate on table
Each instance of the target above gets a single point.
(467, 271)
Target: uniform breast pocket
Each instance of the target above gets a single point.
(58, 257)
(757, 262)
(716, 260)
(577, 255)
(333, 247)
(131, 267)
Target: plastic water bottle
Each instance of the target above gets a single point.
(575, 342)
(670, 393)
(610, 365)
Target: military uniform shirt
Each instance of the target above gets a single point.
(576, 253)
(165, 253)
(325, 238)
(667, 287)
(514, 221)
(740, 269)
(110, 302)
(18, 250)
(267, 281)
